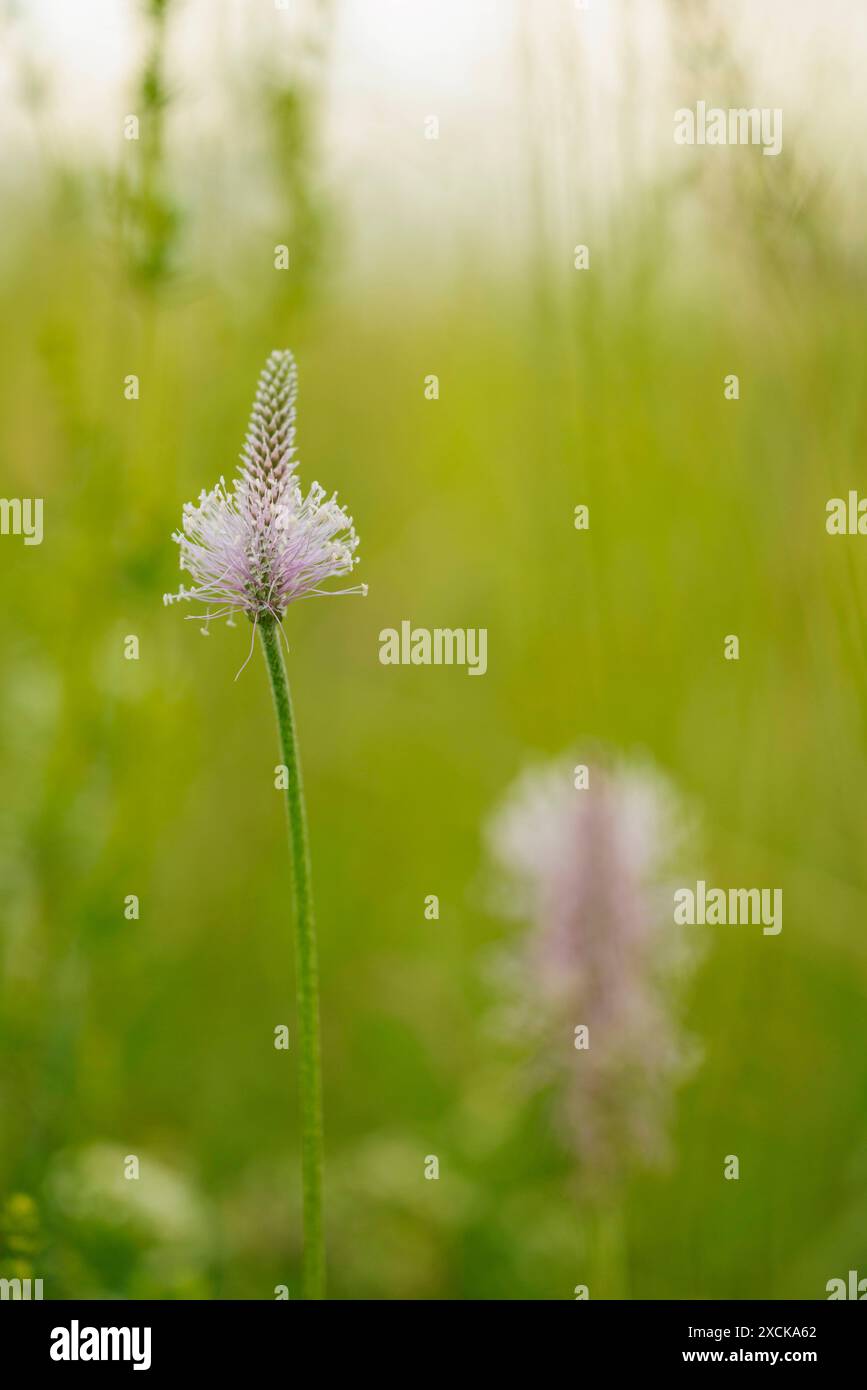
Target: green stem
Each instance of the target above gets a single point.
(609, 1239)
(309, 1066)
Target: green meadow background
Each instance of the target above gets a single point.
(155, 777)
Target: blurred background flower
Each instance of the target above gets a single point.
(142, 1233)
(600, 966)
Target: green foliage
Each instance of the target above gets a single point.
(155, 777)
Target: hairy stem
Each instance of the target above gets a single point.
(309, 1066)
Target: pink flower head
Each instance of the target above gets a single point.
(588, 870)
(259, 546)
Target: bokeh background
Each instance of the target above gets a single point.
(408, 256)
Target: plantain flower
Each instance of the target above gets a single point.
(598, 971)
(262, 544)
(256, 549)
